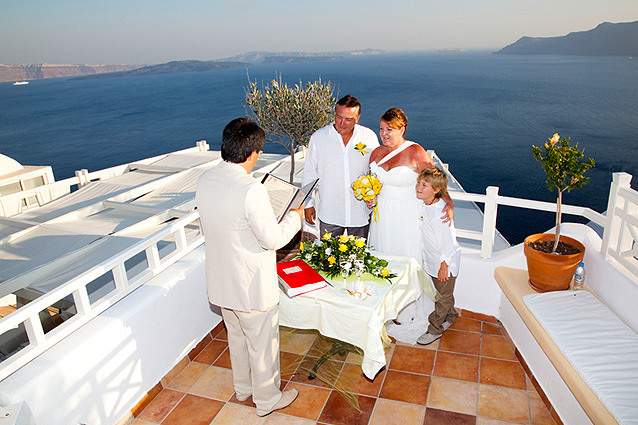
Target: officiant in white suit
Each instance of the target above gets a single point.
(241, 234)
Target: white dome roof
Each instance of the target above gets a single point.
(9, 165)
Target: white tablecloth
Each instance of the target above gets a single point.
(337, 315)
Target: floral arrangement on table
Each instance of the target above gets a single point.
(366, 188)
(326, 255)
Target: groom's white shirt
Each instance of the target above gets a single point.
(337, 167)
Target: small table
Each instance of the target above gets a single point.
(335, 314)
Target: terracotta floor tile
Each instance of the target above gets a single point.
(323, 345)
(199, 347)
(223, 360)
(490, 421)
(466, 324)
(211, 352)
(309, 403)
(176, 370)
(453, 395)
(456, 366)
(443, 417)
(479, 316)
(327, 373)
(503, 403)
(538, 411)
(497, 347)
(338, 411)
(222, 335)
(460, 342)
(296, 341)
(215, 383)
(188, 377)
(233, 414)
(353, 380)
(161, 406)
(502, 373)
(194, 410)
(389, 412)
(145, 401)
(217, 329)
(354, 358)
(491, 328)
(406, 387)
(288, 364)
(279, 419)
(248, 402)
(412, 359)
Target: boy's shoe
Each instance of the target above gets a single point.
(286, 399)
(243, 397)
(446, 325)
(427, 338)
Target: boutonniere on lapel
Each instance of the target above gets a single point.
(359, 147)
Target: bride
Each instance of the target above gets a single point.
(397, 164)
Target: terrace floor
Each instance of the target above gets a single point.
(469, 376)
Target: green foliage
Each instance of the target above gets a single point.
(290, 114)
(562, 165)
(564, 170)
(326, 254)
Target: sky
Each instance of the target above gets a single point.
(157, 31)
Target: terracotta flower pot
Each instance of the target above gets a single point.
(551, 272)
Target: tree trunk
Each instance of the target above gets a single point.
(559, 203)
(292, 166)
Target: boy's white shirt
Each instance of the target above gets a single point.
(439, 240)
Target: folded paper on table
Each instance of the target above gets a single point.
(296, 277)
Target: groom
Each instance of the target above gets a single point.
(338, 154)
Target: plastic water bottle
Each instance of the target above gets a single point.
(579, 277)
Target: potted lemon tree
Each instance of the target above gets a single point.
(552, 258)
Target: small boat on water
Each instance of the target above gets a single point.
(102, 282)
(20, 83)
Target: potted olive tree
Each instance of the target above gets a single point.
(552, 258)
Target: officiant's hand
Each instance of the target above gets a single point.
(310, 215)
(300, 211)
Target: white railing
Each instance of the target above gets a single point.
(28, 316)
(619, 243)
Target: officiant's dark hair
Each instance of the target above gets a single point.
(241, 137)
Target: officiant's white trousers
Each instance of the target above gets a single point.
(253, 342)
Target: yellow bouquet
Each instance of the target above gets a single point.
(366, 188)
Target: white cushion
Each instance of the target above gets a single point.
(598, 345)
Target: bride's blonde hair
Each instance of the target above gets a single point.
(395, 118)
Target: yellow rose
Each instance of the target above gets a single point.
(343, 238)
(332, 260)
(555, 138)
(327, 236)
(376, 186)
(360, 243)
(343, 248)
(384, 272)
(301, 246)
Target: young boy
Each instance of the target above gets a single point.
(441, 252)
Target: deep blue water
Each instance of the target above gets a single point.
(480, 112)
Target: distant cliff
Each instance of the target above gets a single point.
(40, 71)
(280, 57)
(171, 68)
(607, 39)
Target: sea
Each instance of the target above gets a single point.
(480, 112)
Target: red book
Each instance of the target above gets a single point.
(296, 277)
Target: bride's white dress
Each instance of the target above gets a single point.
(397, 232)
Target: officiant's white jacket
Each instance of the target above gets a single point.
(241, 234)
